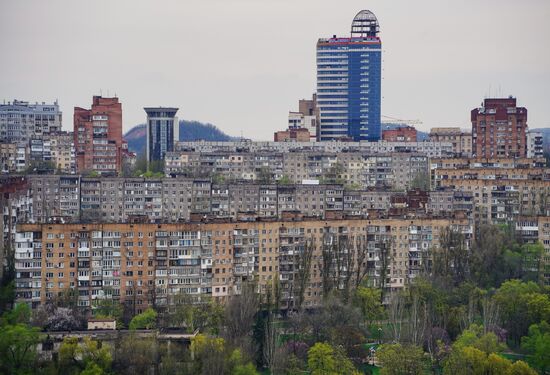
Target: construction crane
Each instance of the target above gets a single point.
(409, 122)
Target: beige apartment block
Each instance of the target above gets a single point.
(143, 265)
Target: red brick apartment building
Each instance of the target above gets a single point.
(499, 129)
(98, 136)
(402, 134)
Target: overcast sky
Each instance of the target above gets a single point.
(243, 64)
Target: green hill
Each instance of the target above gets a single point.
(189, 131)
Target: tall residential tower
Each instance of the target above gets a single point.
(162, 132)
(499, 129)
(349, 72)
(98, 136)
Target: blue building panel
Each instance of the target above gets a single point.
(349, 76)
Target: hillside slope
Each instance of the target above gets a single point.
(189, 131)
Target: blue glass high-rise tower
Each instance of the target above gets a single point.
(349, 75)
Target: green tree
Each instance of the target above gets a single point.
(20, 314)
(473, 336)
(487, 250)
(323, 359)
(465, 360)
(247, 369)
(109, 308)
(141, 165)
(7, 283)
(421, 181)
(284, 180)
(135, 355)
(320, 359)
(537, 345)
(212, 357)
(145, 320)
(75, 356)
(397, 359)
(472, 361)
(531, 262)
(217, 178)
(93, 174)
(496, 365)
(520, 368)
(369, 301)
(521, 304)
(92, 369)
(18, 348)
(264, 175)
(206, 315)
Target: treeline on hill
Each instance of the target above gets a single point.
(478, 311)
(188, 131)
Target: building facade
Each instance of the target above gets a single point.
(8, 157)
(461, 140)
(71, 199)
(400, 134)
(499, 129)
(430, 149)
(536, 229)
(162, 132)
(307, 117)
(148, 265)
(349, 82)
(63, 152)
(292, 135)
(535, 144)
(98, 136)
(16, 207)
(20, 121)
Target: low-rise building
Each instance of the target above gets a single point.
(399, 134)
(295, 134)
(101, 324)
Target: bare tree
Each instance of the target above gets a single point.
(303, 273)
(240, 311)
(489, 312)
(362, 252)
(325, 266)
(385, 260)
(271, 306)
(270, 343)
(345, 261)
(396, 312)
(418, 318)
(451, 258)
(135, 355)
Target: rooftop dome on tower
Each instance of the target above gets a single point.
(365, 24)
